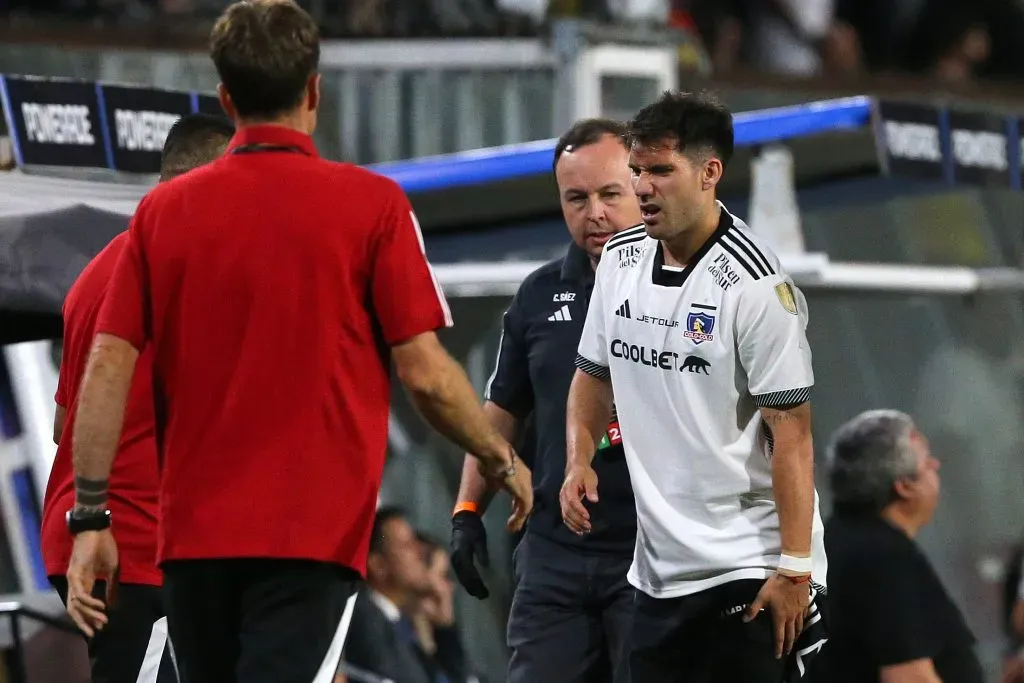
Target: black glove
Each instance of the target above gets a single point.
(469, 543)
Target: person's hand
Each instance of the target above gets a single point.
(787, 604)
(439, 607)
(1013, 672)
(469, 546)
(580, 482)
(519, 484)
(93, 554)
(443, 614)
(517, 480)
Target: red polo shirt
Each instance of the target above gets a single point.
(134, 479)
(271, 284)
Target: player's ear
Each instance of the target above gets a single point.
(711, 173)
(313, 92)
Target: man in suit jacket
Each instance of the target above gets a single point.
(382, 639)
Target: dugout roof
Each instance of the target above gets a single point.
(473, 206)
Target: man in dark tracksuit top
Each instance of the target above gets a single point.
(572, 606)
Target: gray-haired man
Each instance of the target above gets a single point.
(891, 619)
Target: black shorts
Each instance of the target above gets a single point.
(258, 620)
(702, 638)
(133, 646)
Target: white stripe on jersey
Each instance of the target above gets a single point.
(497, 361)
(448, 321)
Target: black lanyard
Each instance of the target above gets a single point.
(263, 147)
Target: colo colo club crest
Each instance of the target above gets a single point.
(700, 324)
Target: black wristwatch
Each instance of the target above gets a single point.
(87, 521)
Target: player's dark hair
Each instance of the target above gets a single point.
(265, 52)
(194, 140)
(697, 122)
(588, 132)
(385, 514)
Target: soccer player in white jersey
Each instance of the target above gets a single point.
(701, 335)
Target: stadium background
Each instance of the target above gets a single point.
(412, 79)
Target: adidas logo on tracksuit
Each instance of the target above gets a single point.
(561, 315)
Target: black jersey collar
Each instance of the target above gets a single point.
(676, 278)
(576, 266)
(271, 138)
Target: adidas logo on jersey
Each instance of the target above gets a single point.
(623, 310)
(561, 315)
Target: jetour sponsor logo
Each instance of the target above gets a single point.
(654, 320)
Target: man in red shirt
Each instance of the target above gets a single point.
(131, 647)
(276, 288)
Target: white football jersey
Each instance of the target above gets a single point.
(692, 353)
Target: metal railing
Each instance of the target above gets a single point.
(14, 639)
(390, 100)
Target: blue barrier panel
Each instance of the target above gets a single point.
(533, 158)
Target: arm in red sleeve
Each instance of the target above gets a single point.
(124, 313)
(407, 297)
(61, 398)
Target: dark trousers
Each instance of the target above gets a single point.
(258, 620)
(702, 638)
(570, 615)
(132, 647)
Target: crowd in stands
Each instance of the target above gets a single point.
(954, 40)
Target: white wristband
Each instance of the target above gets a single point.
(795, 565)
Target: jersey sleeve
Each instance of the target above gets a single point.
(124, 312)
(592, 355)
(407, 297)
(510, 386)
(61, 398)
(771, 324)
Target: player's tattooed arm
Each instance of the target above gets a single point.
(792, 474)
(99, 418)
(775, 417)
(91, 494)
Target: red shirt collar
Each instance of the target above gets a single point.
(269, 134)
